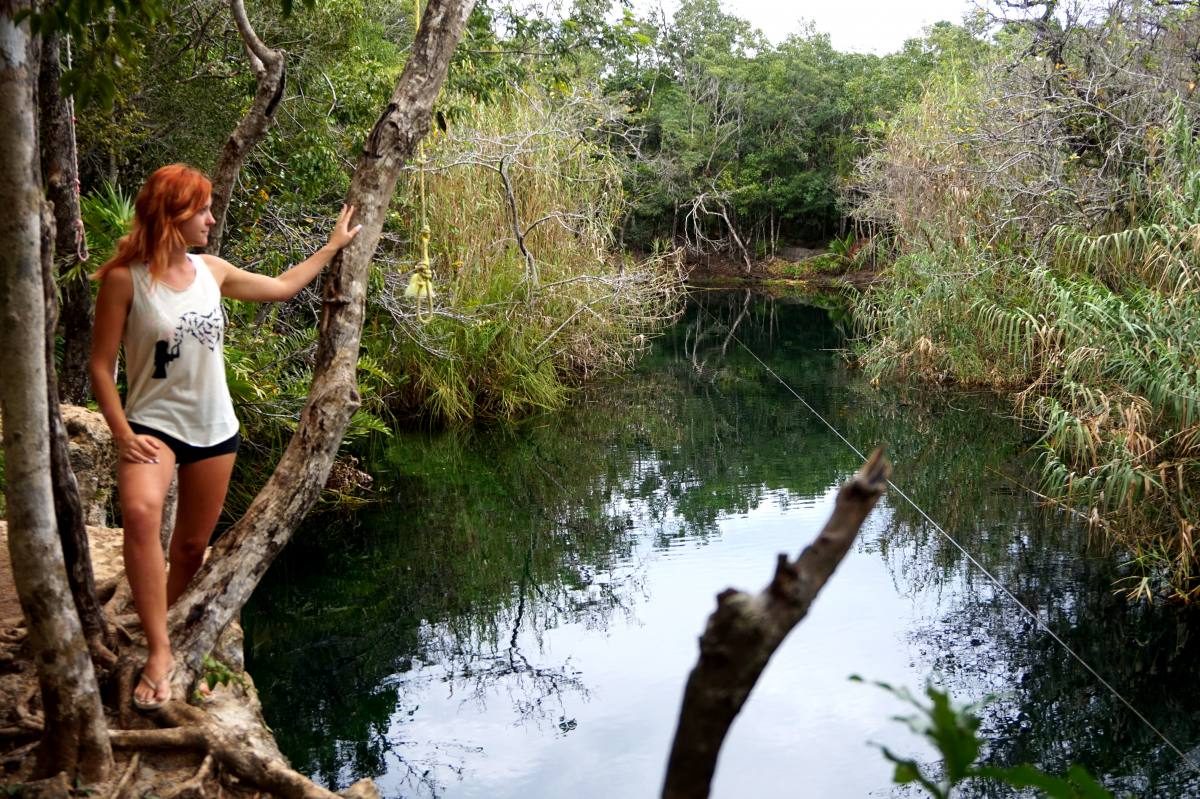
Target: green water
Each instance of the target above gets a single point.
(517, 615)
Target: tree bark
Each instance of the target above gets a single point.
(744, 631)
(269, 71)
(68, 508)
(243, 554)
(61, 173)
(75, 738)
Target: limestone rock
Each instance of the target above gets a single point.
(93, 458)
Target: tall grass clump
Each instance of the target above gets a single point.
(521, 199)
(1045, 221)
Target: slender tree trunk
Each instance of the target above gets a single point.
(269, 71)
(61, 173)
(242, 555)
(68, 508)
(510, 200)
(75, 738)
(729, 223)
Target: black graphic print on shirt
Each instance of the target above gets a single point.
(205, 328)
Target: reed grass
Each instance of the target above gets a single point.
(532, 298)
(1090, 317)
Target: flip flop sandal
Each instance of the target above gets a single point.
(155, 703)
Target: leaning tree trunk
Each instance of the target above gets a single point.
(242, 555)
(269, 71)
(61, 172)
(75, 738)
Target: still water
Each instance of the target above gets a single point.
(516, 617)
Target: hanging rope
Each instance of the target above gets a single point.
(81, 250)
(420, 285)
(1034, 617)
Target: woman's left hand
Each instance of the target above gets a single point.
(342, 233)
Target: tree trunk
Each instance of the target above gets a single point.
(744, 631)
(75, 738)
(243, 554)
(68, 508)
(269, 71)
(61, 173)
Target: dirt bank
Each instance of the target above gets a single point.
(813, 270)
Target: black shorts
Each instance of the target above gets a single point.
(187, 453)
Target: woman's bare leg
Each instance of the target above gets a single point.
(202, 489)
(142, 488)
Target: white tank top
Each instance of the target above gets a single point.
(174, 358)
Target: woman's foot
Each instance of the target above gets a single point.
(153, 688)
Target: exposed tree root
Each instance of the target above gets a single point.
(55, 787)
(124, 786)
(194, 788)
(106, 588)
(26, 716)
(239, 748)
(19, 731)
(122, 685)
(18, 755)
(189, 738)
(103, 658)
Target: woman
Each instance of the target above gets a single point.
(164, 305)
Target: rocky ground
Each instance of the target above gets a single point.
(106, 564)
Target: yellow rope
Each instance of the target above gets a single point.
(421, 283)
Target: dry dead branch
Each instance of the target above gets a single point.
(745, 630)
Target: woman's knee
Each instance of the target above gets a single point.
(187, 549)
(142, 517)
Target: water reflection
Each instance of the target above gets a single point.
(517, 618)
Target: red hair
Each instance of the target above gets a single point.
(171, 195)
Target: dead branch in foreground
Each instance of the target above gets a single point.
(745, 630)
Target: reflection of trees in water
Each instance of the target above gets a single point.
(489, 539)
(963, 465)
(715, 433)
(346, 686)
(1050, 711)
(476, 669)
(535, 691)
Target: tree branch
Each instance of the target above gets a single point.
(745, 630)
(269, 68)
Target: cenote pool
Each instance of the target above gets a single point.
(517, 616)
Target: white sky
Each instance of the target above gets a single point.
(864, 26)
